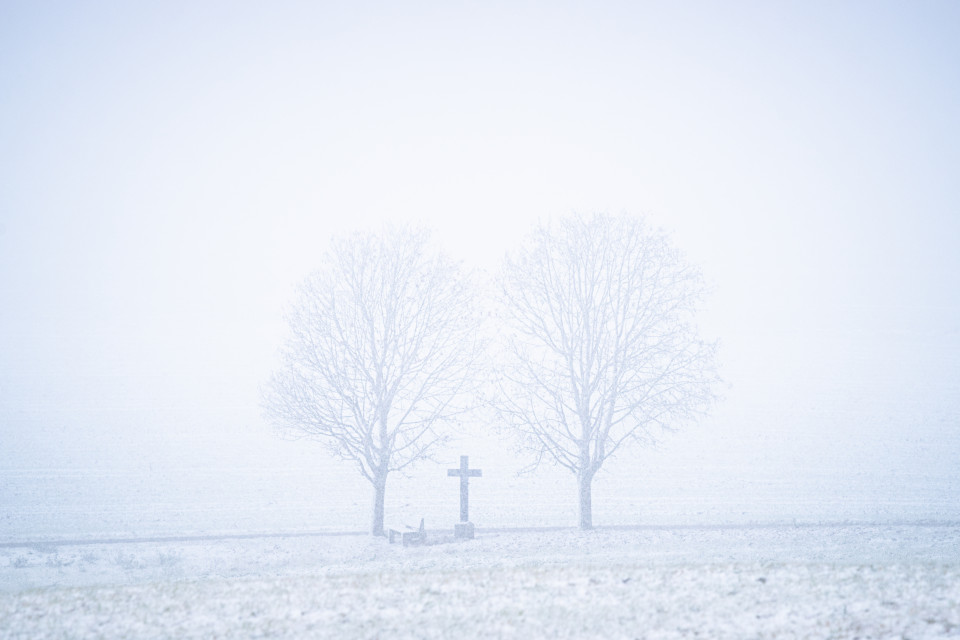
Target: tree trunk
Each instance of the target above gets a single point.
(379, 491)
(585, 482)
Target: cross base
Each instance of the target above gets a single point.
(463, 531)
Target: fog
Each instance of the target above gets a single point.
(170, 174)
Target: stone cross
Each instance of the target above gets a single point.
(465, 473)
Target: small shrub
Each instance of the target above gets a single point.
(168, 560)
(128, 561)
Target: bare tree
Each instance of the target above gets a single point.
(379, 357)
(602, 346)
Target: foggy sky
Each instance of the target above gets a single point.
(169, 173)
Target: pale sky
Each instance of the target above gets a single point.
(169, 172)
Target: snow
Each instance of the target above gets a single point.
(654, 582)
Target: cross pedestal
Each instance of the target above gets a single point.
(465, 528)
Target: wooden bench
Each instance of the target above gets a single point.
(408, 538)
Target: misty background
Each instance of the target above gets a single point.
(169, 174)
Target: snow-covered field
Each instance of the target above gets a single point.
(715, 582)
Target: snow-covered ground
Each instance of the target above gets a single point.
(660, 489)
(775, 581)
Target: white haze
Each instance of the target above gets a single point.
(169, 173)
